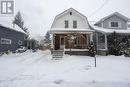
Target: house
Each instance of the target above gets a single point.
(10, 39)
(115, 22)
(71, 30)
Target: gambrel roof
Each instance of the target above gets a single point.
(70, 10)
(115, 13)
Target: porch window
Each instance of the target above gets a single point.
(101, 38)
(66, 24)
(5, 41)
(74, 24)
(114, 24)
(101, 41)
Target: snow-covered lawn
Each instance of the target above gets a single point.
(39, 70)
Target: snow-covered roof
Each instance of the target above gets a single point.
(115, 13)
(17, 29)
(7, 22)
(107, 30)
(68, 10)
(67, 30)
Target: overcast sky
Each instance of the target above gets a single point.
(39, 14)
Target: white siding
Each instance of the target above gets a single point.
(81, 21)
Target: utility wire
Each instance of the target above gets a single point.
(98, 9)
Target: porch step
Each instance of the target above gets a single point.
(57, 54)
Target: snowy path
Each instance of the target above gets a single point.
(38, 70)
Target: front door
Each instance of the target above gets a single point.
(62, 42)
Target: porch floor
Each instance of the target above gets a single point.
(76, 49)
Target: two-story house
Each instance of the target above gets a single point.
(72, 23)
(115, 22)
(71, 29)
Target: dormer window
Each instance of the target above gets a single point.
(115, 24)
(70, 13)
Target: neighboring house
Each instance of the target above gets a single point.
(74, 25)
(10, 39)
(115, 22)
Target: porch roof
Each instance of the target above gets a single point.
(70, 30)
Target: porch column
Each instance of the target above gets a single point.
(52, 44)
(106, 41)
(54, 41)
(87, 41)
(97, 40)
(91, 37)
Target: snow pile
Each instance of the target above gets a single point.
(39, 70)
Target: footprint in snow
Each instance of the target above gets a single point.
(58, 81)
(87, 67)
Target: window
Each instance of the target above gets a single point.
(5, 41)
(101, 38)
(66, 24)
(74, 24)
(20, 42)
(114, 24)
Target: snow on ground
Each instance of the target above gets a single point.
(39, 70)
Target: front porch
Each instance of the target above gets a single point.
(103, 41)
(77, 46)
(62, 41)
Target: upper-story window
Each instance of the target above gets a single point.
(5, 41)
(74, 24)
(114, 24)
(66, 24)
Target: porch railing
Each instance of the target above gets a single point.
(81, 46)
(101, 45)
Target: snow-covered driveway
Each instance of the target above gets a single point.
(38, 70)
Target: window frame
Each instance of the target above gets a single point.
(74, 23)
(66, 22)
(5, 41)
(110, 24)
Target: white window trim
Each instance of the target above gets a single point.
(20, 42)
(76, 23)
(68, 23)
(9, 41)
(119, 24)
